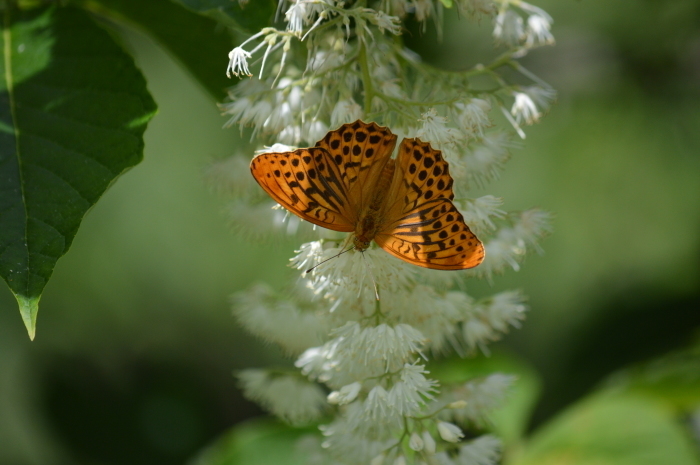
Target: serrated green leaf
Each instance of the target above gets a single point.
(510, 420)
(248, 17)
(611, 430)
(73, 108)
(256, 442)
(197, 42)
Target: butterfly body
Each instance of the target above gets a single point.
(371, 219)
(348, 182)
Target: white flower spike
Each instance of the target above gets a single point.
(362, 324)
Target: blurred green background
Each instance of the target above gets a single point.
(136, 344)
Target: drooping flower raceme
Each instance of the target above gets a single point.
(366, 361)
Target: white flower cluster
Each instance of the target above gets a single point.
(364, 325)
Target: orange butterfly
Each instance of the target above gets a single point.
(348, 182)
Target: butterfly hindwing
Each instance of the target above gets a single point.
(420, 223)
(359, 151)
(433, 236)
(307, 183)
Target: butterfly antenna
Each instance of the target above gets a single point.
(374, 281)
(330, 258)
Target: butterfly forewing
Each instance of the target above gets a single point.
(359, 151)
(420, 223)
(307, 183)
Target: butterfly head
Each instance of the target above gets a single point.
(360, 243)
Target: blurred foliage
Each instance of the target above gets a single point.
(136, 325)
(611, 430)
(256, 442)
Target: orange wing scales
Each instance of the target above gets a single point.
(435, 236)
(306, 183)
(423, 226)
(338, 185)
(359, 151)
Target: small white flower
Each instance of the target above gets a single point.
(430, 445)
(476, 332)
(509, 28)
(400, 460)
(435, 315)
(298, 15)
(308, 256)
(357, 353)
(378, 409)
(324, 60)
(504, 250)
(238, 62)
(407, 396)
(378, 460)
(423, 9)
(351, 274)
(533, 225)
(289, 397)
(382, 346)
(276, 148)
(537, 32)
(484, 162)
(473, 115)
(524, 109)
(449, 431)
(416, 442)
(280, 117)
(506, 309)
(483, 396)
(281, 321)
(457, 404)
(345, 111)
(392, 89)
(543, 96)
(383, 21)
(479, 213)
(291, 135)
(314, 131)
(484, 450)
(436, 131)
(232, 176)
(347, 394)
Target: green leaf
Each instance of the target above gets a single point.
(447, 3)
(73, 108)
(256, 442)
(673, 378)
(510, 420)
(200, 44)
(611, 430)
(249, 18)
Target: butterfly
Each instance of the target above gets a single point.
(348, 182)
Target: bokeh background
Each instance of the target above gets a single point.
(136, 344)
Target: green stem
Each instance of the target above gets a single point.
(366, 76)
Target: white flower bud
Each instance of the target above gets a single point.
(429, 443)
(457, 405)
(449, 432)
(415, 443)
(347, 394)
